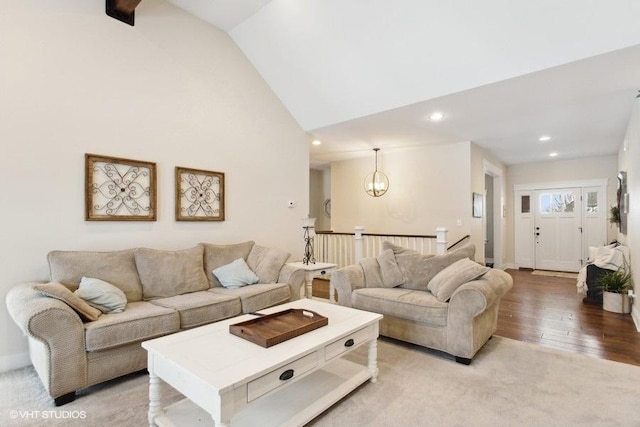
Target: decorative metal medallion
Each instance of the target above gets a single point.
(199, 195)
(119, 189)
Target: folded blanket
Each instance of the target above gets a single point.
(610, 257)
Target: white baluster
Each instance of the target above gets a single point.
(441, 240)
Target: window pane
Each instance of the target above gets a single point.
(545, 203)
(592, 202)
(556, 202)
(569, 203)
(525, 204)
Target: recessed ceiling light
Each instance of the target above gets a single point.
(436, 117)
(554, 154)
(544, 138)
(316, 142)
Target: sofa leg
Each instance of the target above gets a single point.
(65, 398)
(463, 360)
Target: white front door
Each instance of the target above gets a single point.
(558, 229)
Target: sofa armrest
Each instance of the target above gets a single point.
(346, 280)
(476, 296)
(58, 351)
(294, 277)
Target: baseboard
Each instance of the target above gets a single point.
(635, 315)
(14, 361)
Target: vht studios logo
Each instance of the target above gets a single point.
(48, 414)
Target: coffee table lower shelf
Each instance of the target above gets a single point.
(294, 405)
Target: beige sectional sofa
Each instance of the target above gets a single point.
(166, 292)
(445, 302)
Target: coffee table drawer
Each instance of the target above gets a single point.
(280, 376)
(336, 348)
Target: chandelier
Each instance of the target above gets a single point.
(376, 183)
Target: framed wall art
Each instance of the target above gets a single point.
(199, 195)
(477, 205)
(118, 189)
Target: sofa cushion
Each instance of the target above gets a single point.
(101, 295)
(418, 306)
(392, 276)
(168, 273)
(59, 291)
(258, 296)
(116, 267)
(420, 269)
(267, 262)
(199, 308)
(218, 255)
(235, 275)
(140, 321)
(444, 284)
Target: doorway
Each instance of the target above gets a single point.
(554, 224)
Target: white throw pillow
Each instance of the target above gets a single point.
(445, 283)
(235, 274)
(101, 295)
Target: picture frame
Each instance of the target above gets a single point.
(477, 205)
(119, 189)
(199, 195)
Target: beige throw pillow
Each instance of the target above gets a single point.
(420, 269)
(169, 273)
(444, 284)
(267, 262)
(391, 274)
(216, 256)
(61, 292)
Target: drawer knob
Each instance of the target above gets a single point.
(286, 375)
(349, 342)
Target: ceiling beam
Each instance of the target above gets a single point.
(122, 10)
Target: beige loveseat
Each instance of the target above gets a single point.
(458, 317)
(166, 292)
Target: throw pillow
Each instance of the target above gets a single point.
(389, 269)
(169, 273)
(218, 255)
(444, 284)
(235, 275)
(420, 269)
(59, 291)
(267, 262)
(398, 250)
(101, 295)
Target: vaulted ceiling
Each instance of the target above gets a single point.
(361, 74)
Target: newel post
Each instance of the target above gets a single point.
(441, 240)
(358, 246)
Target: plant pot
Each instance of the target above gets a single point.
(616, 303)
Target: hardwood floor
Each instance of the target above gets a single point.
(546, 310)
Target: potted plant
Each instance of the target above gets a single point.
(614, 285)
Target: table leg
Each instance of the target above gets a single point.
(373, 360)
(154, 397)
(309, 283)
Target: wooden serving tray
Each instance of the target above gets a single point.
(272, 329)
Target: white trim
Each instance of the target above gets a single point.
(562, 184)
(14, 361)
(499, 197)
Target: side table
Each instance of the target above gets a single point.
(318, 269)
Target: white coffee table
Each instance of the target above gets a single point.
(228, 380)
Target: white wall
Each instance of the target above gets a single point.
(172, 90)
(628, 157)
(429, 187)
(603, 167)
(319, 191)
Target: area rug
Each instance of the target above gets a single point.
(509, 383)
(564, 274)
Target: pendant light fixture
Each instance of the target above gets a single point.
(376, 183)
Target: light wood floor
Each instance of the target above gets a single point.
(545, 310)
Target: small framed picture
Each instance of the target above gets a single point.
(118, 189)
(199, 195)
(477, 205)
